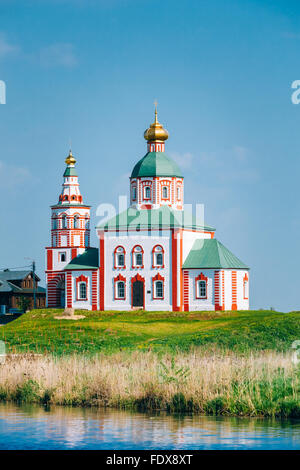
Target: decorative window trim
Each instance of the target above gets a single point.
(118, 279)
(201, 277)
(80, 279)
(116, 253)
(154, 253)
(179, 189)
(64, 217)
(245, 280)
(156, 278)
(133, 255)
(167, 184)
(167, 197)
(145, 198)
(76, 217)
(134, 192)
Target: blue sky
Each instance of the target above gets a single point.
(221, 71)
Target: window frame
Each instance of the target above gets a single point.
(156, 252)
(162, 193)
(64, 222)
(79, 280)
(134, 192)
(161, 285)
(117, 281)
(119, 250)
(198, 279)
(133, 256)
(80, 285)
(60, 254)
(76, 221)
(155, 279)
(146, 189)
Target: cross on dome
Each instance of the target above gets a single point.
(156, 131)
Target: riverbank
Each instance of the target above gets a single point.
(39, 331)
(204, 380)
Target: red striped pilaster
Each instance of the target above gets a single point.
(94, 290)
(217, 291)
(49, 260)
(101, 271)
(174, 270)
(186, 291)
(69, 289)
(73, 253)
(234, 290)
(223, 290)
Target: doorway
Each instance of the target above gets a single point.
(138, 294)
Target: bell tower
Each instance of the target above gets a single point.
(70, 233)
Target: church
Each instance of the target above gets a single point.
(153, 256)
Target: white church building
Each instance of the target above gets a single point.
(153, 256)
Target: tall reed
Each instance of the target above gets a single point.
(202, 381)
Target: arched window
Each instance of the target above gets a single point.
(134, 193)
(147, 192)
(64, 221)
(165, 192)
(137, 257)
(158, 256)
(201, 286)
(76, 221)
(120, 288)
(202, 289)
(81, 287)
(119, 255)
(178, 193)
(158, 287)
(82, 290)
(54, 223)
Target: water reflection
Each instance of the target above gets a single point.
(33, 427)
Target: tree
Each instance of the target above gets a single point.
(24, 303)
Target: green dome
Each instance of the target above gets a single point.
(156, 164)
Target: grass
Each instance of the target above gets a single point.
(201, 381)
(226, 363)
(39, 332)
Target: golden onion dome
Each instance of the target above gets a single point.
(70, 160)
(156, 130)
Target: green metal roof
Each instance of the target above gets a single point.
(70, 171)
(210, 253)
(164, 217)
(156, 164)
(89, 259)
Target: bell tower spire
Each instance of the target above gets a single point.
(70, 231)
(70, 191)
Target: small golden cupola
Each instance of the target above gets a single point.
(156, 135)
(70, 160)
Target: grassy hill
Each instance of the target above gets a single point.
(40, 332)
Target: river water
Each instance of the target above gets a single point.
(34, 427)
